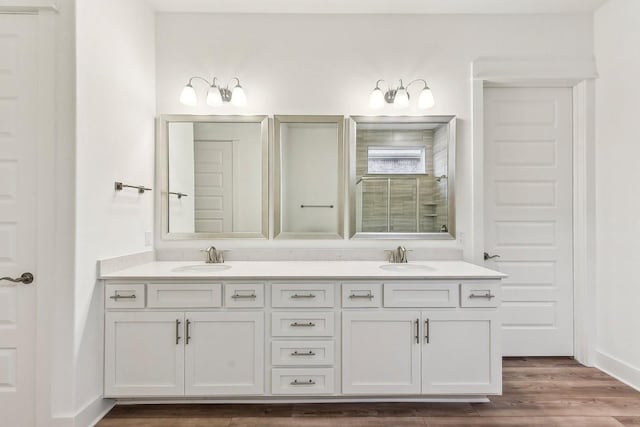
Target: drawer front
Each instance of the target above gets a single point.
(424, 294)
(304, 295)
(356, 295)
(177, 295)
(302, 353)
(478, 294)
(124, 296)
(244, 295)
(296, 381)
(318, 324)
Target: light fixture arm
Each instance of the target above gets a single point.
(237, 82)
(201, 78)
(426, 86)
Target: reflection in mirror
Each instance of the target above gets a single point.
(402, 175)
(216, 183)
(309, 155)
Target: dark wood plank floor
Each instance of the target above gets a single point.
(537, 392)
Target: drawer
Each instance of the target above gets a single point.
(302, 381)
(303, 295)
(245, 295)
(361, 295)
(183, 295)
(424, 294)
(317, 324)
(478, 294)
(124, 296)
(302, 353)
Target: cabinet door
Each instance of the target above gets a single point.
(460, 352)
(224, 353)
(144, 354)
(380, 352)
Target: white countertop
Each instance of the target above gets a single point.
(307, 270)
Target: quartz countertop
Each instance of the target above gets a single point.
(305, 270)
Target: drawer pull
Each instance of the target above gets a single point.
(298, 296)
(296, 382)
(488, 295)
(117, 296)
(367, 296)
(309, 353)
(241, 296)
(306, 325)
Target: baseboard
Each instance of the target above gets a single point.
(87, 416)
(618, 369)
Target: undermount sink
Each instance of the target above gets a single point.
(202, 268)
(399, 267)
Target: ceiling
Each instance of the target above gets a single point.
(380, 6)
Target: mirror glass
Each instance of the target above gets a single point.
(216, 183)
(402, 177)
(309, 156)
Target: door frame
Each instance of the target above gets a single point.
(579, 74)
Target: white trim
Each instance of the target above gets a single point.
(579, 74)
(618, 369)
(338, 399)
(90, 415)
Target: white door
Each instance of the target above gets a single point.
(144, 354)
(18, 190)
(381, 352)
(457, 353)
(224, 353)
(213, 168)
(528, 215)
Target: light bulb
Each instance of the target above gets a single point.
(402, 98)
(214, 99)
(426, 99)
(238, 97)
(188, 96)
(376, 99)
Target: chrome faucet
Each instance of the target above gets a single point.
(214, 256)
(398, 255)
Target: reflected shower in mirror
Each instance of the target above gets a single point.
(402, 177)
(216, 180)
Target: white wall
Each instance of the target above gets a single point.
(617, 152)
(328, 64)
(115, 138)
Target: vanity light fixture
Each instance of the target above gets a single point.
(216, 95)
(399, 96)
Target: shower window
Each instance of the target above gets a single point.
(396, 160)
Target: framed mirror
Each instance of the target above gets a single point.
(213, 175)
(309, 163)
(401, 177)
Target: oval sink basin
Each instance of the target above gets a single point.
(202, 268)
(406, 267)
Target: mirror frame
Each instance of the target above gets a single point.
(451, 165)
(277, 167)
(162, 174)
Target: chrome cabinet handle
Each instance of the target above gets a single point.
(417, 331)
(296, 382)
(309, 353)
(306, 325)
(426, 331)
(117, 296)
(25, 278)
(241, 296)
(178, 331)
(303, 296)
(355, 296)
(188, 332)
(488, 295)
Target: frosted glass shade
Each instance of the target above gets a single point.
(426, 99)
(214, 99)
(402, 98)
(188, 96)
(238, 97)
(376, 99)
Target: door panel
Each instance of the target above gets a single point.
(18, 192)
(528, 215)
(213, 168)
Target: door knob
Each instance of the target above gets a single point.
(25, 278)
(488, 257)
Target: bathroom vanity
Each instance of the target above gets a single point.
(297, 330)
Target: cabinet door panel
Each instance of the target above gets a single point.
(144, 354)
(459, 352)
(380, 354)
(224, 353)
